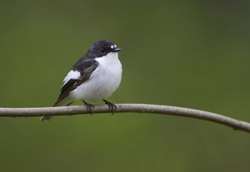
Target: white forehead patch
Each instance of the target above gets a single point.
(115, 46)
(112, 46)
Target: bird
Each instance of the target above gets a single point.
(93, 78)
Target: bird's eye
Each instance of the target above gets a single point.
(103, 50)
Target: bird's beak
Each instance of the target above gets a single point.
(116, 50)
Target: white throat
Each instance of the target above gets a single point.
(111, 59)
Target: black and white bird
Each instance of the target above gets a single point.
(93, 78)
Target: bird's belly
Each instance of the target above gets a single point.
(100, 85)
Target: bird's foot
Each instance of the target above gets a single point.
(111, 105)
(89, 106)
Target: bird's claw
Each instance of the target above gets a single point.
(89, 106)
(111, 105)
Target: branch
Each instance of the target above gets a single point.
(137, 108)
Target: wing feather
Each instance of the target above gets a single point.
(85, 68)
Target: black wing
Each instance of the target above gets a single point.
(86, 68)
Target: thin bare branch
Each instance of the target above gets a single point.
(121, 108)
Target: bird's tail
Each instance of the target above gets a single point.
(47, 118)
(64, 102)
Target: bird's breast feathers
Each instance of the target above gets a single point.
(103, 82)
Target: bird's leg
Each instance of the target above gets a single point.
(111, 105)
(88, 106)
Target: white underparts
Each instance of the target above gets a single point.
(102, 83)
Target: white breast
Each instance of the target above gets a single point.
(103, 81)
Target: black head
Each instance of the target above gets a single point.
(101, 48)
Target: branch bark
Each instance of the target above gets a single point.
(121, 108)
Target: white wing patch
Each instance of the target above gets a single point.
(71, 75)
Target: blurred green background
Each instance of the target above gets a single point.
(183, 53)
